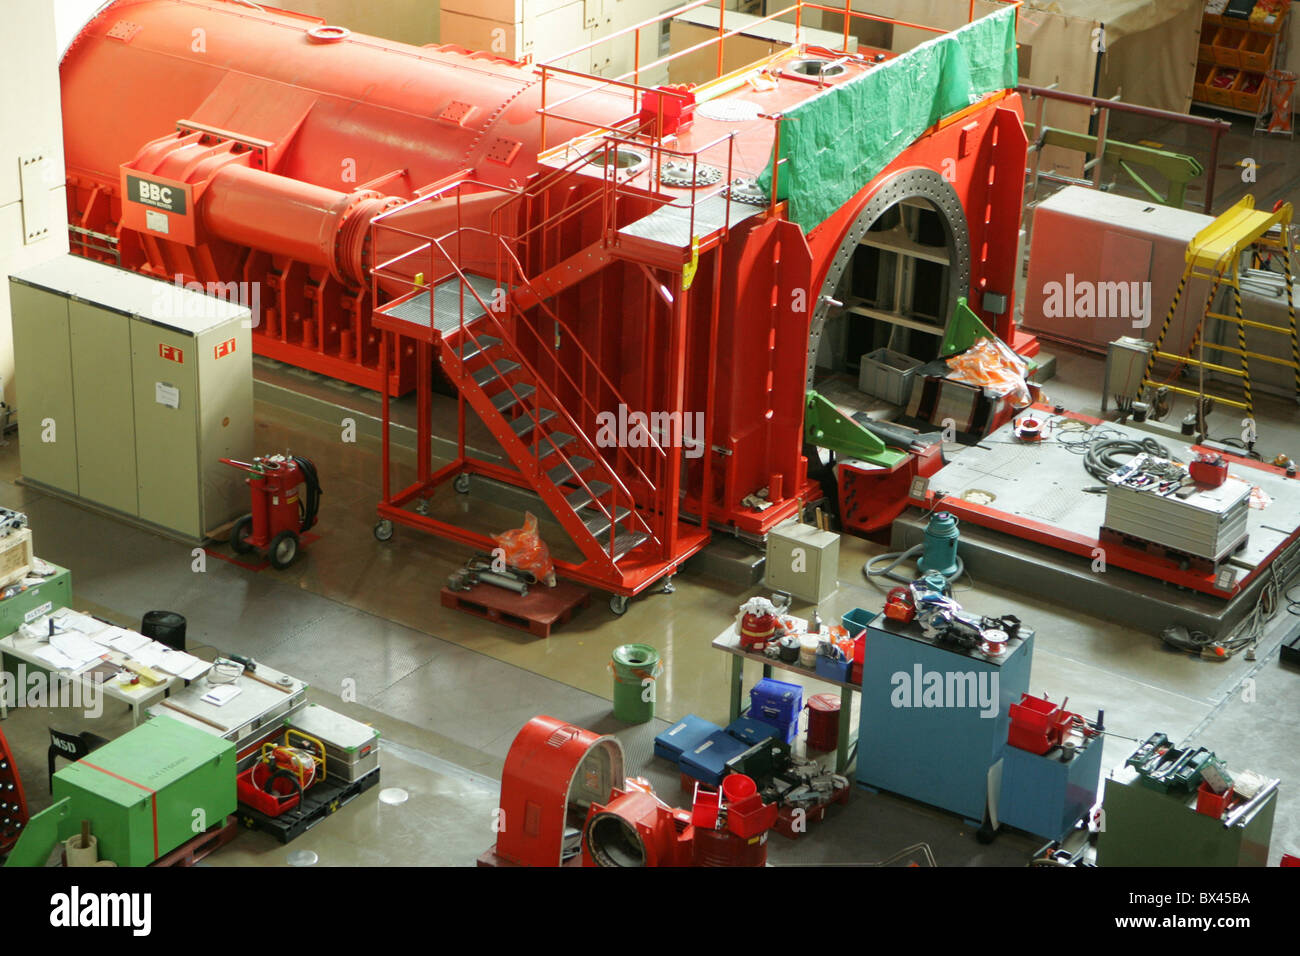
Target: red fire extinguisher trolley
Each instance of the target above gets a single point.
(280, 514)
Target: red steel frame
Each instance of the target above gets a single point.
(706, 354)
(1086, 546)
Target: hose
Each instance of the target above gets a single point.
(309, 503)
(1102, 457)
(899, 557)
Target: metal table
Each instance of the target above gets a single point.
(729, 641)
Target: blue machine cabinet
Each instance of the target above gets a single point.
(1045, 794)
(934, 717)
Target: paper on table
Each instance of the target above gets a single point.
(78, 648)
(55, 658)
(85, 624)
(150, 654)
(108, 635)
(221, 695)
(185, 666)
(128, 641)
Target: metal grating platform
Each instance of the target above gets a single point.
(446, 304)
(1045, 483)
(671, 224)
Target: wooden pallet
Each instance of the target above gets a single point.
(536, 612)
(188, 854)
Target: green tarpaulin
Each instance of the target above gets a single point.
(835, 143)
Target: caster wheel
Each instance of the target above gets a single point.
(461, 484)
(239, 535)
(986, 834)
(618, 603)
(284, 548)
(383, 530)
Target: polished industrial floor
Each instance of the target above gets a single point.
(361, 621)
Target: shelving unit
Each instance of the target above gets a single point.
(1242, 52)
(888, 288)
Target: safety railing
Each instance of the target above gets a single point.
(435, 251)
(632, 127)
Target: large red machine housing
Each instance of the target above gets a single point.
(363, 185)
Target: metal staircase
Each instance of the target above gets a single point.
(495, 338)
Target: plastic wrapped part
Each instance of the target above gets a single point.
(842, 139)
(991, 365)
(524, 549)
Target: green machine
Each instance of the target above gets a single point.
(145, 793)
(30, 603)
(1151, 818)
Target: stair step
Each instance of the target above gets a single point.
(582, 497)
(507, 400)
(467, 350)
(488, 373)
(553, 442)
(525, 423)
(627, 541)
(568, 470)
(598, 523)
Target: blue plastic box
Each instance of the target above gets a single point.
(686, 734)
(707, 763)
(750, 731)
(777, 704)
(833, 670)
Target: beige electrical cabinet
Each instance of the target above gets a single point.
(130, 391)
(803, 561)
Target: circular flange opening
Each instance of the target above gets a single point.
(613, 842)
(680, 172)
(621, 158)
(816, 67)
(329, 34)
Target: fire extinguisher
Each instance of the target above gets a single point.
(280, 514)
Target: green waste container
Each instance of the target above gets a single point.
(635, 667)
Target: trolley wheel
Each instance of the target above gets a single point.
(239, 535)
(284, 548)
(461, 484)
(618, 603)
(383, 530)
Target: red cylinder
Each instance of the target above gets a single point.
(724, 848)
(823, 722)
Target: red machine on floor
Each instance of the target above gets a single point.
(280, 513)
(13, 804)
(613, 277)
(565, 802)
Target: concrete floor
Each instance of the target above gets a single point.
(361, 619)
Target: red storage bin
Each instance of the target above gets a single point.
(1210, 803)
(1037, 724)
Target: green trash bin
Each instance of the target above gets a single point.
(635, 667)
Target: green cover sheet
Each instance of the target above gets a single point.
(835, 143)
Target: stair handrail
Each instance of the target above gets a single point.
(579, 433)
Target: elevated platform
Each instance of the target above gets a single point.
(1028, 520)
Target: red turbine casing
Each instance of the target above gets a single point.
(554, 773)
(218, 142)
(636, 828)
(215, 142)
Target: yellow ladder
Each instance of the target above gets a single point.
(1215, 254)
